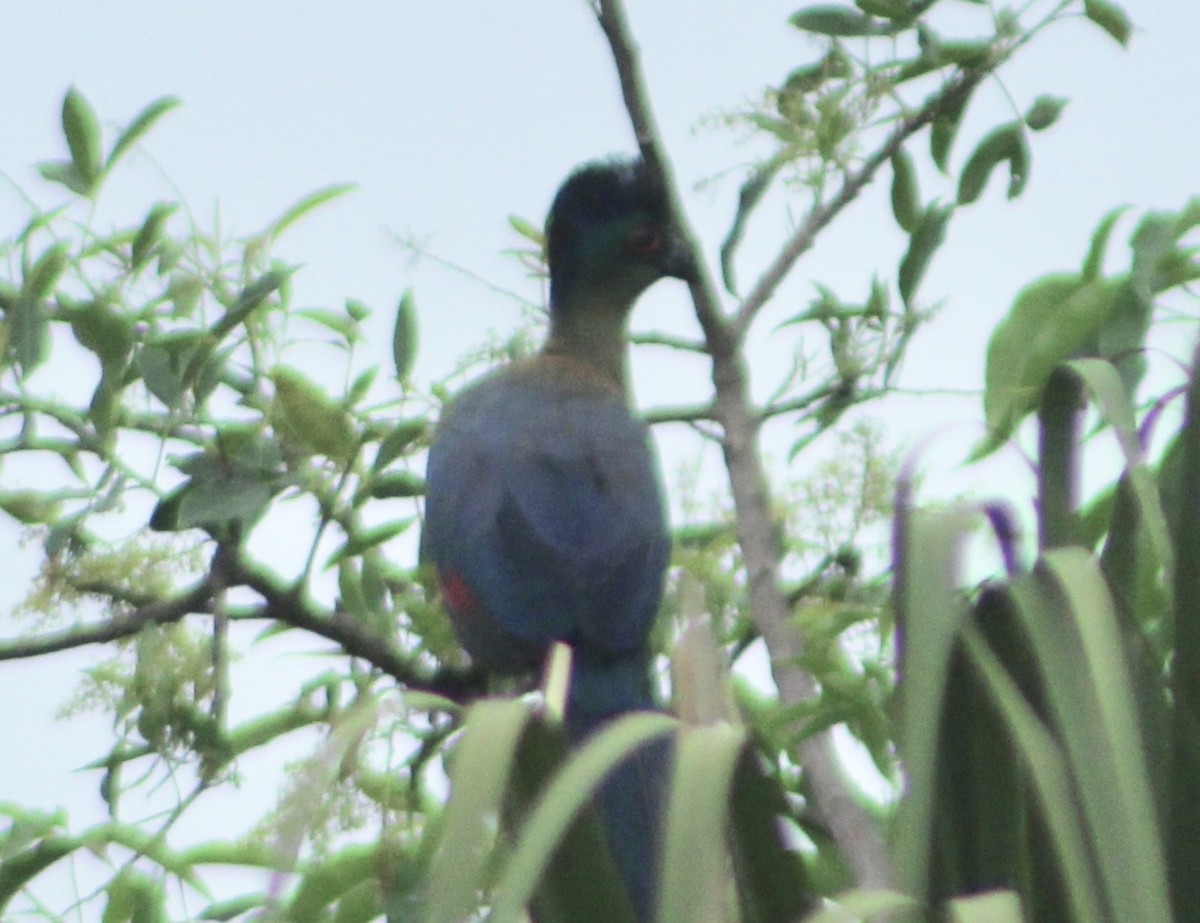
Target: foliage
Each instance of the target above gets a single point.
(200, 428)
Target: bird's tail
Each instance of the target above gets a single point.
(632, 800)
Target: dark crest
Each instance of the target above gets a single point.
(598, 192)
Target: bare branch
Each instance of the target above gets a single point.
(852, 828)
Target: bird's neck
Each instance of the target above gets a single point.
(594, 330)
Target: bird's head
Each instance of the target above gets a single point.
(609, 232)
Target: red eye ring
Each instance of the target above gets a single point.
(644, 240)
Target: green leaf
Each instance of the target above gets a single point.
(828, 19)
(694, 859)
(899, 11)
(1006, 143)
(365, 539)
(30, 506)
(478, 779)
(527, 230)
(393, 484)
(930, 232)
(63, 173)
(1049, 322)
(749, 197)
(239, 497)
(1093, 265)
(150, 233)
(404, 337)
(139, 126)
(103, 331)
(307, 204)
(933, 612)
(402, 435)
(251, 298)
(83, 138)
(563, 801)
(906, 199)
(307, 417)
(1045, 112)
(1110, 17)
(40, 280)
(944, 130)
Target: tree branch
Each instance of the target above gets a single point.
(852, 828)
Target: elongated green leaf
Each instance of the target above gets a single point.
(402, 435)
(18, 870)
(404, 337)
(1037, 749)
(83, 138)
(1094, 698)
(1109, 17)
(233, 908)
(944, 130)
(562, 803)
(478, 779)
(368, 538)
(251, 298)
(1093, 264)
(749, 197)
(393, 484)
(310, 202)
(694, 885)
(906, 199)
(930, 232)
(1006, 143)
(139, 126)
(933, 612)
(150, 233)
(829, 19)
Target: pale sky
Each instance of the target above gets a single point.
(450, 116)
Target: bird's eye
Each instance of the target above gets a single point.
(644, 240)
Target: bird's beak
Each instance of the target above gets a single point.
(675, 258)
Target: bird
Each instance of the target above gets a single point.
(544, 512)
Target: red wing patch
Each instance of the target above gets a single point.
(457, 594)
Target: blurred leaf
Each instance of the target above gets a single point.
(828, 19)
(1109, 17)
(561, 804)
(478, 778)
(250, 299)
(310, 202)
(83, 138)
(30, 506)
(327, 881)
(1047, 324)
(150, 233)
(402, 435)
(749, 196)
(527, 230)
(222, 911)
(307, 417)
(365, 539)
(944, 130)
(63, 173)
(139, 126)
(930, 232)
(392, 484)
(1093, 265)
(694, 859)
(404, 337)
(1045, 112)
(906, 199)
(102, 330)
(1006, 143)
